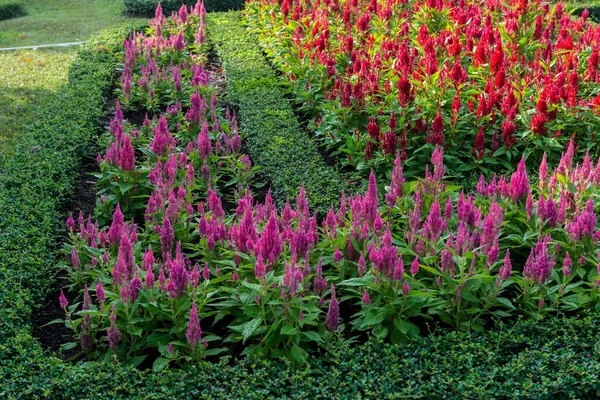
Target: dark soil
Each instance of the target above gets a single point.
(52, 337)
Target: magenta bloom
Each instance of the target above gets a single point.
(75, 259)
(333, 313)
(405, 288)
(362, 265)
(116, 228)
(100, 293)
(566, 269)
(519, 183)
(114, 336)
(414, 267)
(134, 287)
(506, 268)
(337, 256)
(127, 156)
(62, 300)
(149, 279)
(166, 238)
(260, 269)
(194, 332)
(70, 222)
(366, 299)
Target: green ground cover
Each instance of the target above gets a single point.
(59, 21)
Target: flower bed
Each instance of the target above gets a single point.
(487, 81)
(273, 279)
(551, 358)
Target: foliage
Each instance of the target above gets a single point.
(287, 155)
(579, 7)
(11, 9)
(556, 358)
(488, 81)
(147, 7)
(37, 180)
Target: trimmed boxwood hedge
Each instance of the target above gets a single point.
(11, 9)
(555, 358)
(147, 7)
(274, 140)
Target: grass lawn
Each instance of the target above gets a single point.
(60, 21)
(27, 80)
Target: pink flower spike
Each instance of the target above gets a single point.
(333, 313)
(366, 299)
(194, 332)
(64, 303)
(414, 267)
(70, 222)
(405, 288)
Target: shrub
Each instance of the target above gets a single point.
(147, 7)
(489, 82)
(287, 155)
(555, 358)
(11, 9)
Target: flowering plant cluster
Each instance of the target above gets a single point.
(280, 283)
(487, 80)
(153, 166)
(177, 267)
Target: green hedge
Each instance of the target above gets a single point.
(147, 7)
(553, 359)
(274, 140)
(37, 181)
(11, 9)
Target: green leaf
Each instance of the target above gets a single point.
(215, 351)
(250, 327)
(298, 354)
(373, 319)
(506, 302)
(160, 364)
(288, 330)
(135, 361)
(313, 336)
(68, 346)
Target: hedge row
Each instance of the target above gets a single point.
(37, 181)
(147, 7)
(553, 359)
(11, 9)
(274, 140)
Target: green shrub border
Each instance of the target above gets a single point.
(11, 9)
(274, 140)
(556, 358)
(147, 7)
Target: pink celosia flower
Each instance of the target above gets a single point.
(100, 294)
(193, 332)
(366, 299)
(333, 313)
(114, 336)
(62, 300)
